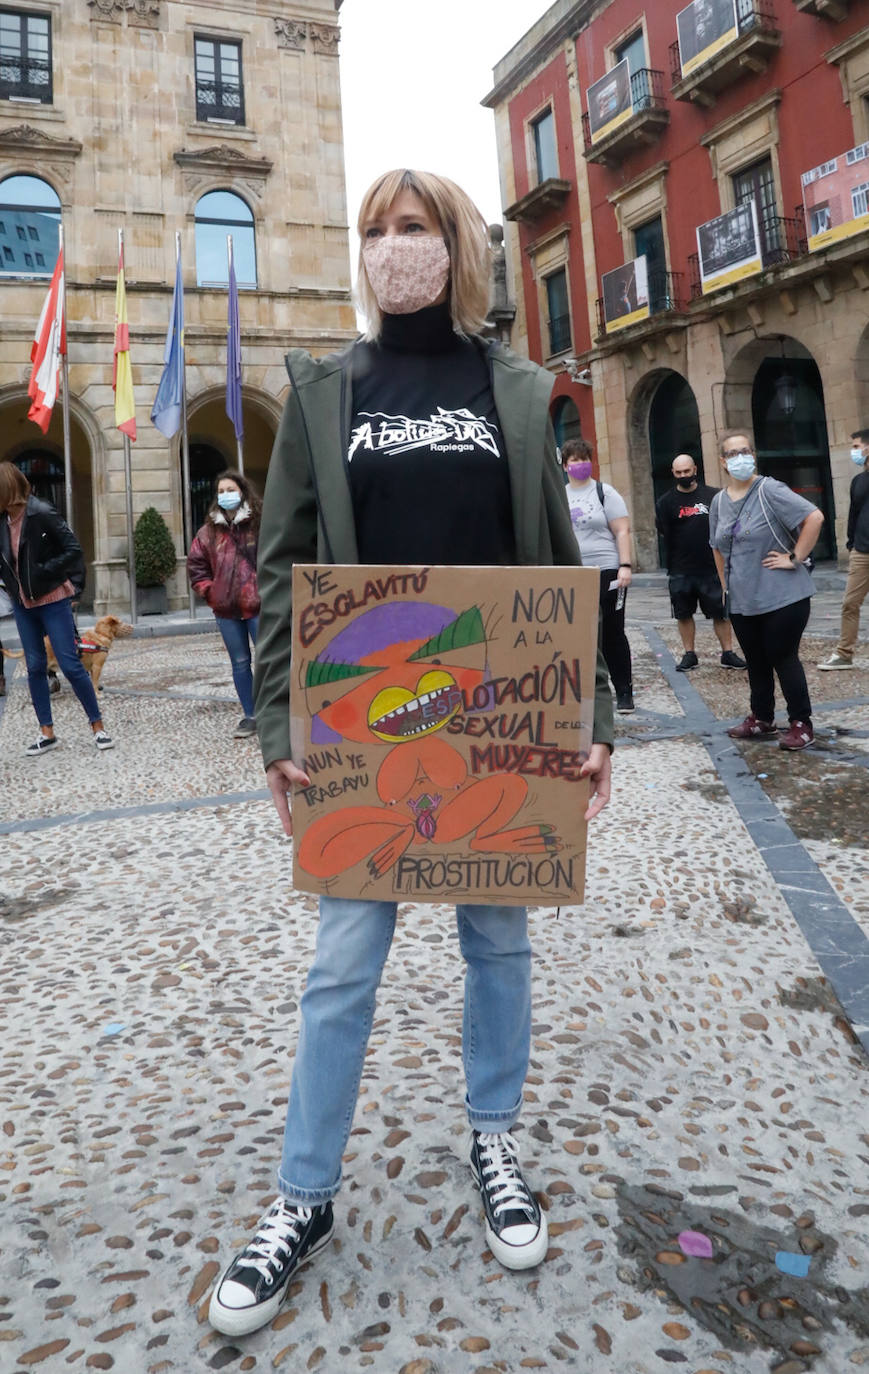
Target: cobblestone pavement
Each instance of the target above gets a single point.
(692, 1069)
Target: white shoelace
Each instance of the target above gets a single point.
(278, 1231)
(499, 1162)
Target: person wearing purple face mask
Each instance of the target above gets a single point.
(603, 532)
(423, 443)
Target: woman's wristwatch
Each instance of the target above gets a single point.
(793, 557)
(626, 565)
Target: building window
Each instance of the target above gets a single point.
(649, 243)
(25, 56)
(860, 199)
(219, 92)
(218, 214)
(757, 183)
(545, 151)
(559, 311)
(33, 208)
(633, 51)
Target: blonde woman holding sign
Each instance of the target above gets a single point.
(345, 487)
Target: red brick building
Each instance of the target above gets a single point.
(621, 130)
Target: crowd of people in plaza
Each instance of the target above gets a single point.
(738, 553)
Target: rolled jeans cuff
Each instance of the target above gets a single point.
(306, 1197)
(493, 1122)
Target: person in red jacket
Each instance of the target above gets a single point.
(221, 566)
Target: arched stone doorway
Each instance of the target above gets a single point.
(213, 446)
(664, 421)
(774, 387)
(565, 420)
(41, 460)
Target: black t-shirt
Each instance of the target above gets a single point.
(858, 514)
(683, 520)
(427, 466)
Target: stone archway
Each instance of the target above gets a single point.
(663, 420)
(774, 388)
(212, 440)
(41, 458)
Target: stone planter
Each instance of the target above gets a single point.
(152, 600)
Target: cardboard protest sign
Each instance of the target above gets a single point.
(443, 716)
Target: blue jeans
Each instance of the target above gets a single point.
(235, 637)
(353, 940)
(55, 621)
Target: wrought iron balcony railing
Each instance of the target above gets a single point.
(215, 100)
(28, 79)
(647, 94)
(559, 333)
(752, 16)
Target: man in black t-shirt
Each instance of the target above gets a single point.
(682, 517)
(857, 588)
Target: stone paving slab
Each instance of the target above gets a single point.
(690, 1064)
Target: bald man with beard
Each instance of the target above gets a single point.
(682, 517)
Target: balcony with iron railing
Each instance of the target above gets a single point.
(782, 241)
(648, 118)
(219, 101)
(559, 334)
(25, 79)
(757, 37)
(666, 296)
(836, 10)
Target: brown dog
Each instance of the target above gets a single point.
(107, 629)
(95, 645)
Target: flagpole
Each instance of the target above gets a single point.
(185, 447)
(64, 366)
(239, 444)
(128, 489)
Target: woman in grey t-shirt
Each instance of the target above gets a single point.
(761, 532)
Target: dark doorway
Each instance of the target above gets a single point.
(206, 462)
(790, 431)
(565, 420)
(44, 472)
(674, 427)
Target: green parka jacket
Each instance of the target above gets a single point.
(308, 513)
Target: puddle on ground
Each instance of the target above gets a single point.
(739, 1294)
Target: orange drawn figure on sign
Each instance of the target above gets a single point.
(398, 674)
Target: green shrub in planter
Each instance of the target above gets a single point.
(153, 548)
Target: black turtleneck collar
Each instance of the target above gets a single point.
(425, 331)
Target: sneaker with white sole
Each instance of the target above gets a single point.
(516, 1229)
(836, 660)
(41, 745)
(103, 741)
(245, 728)
(253, 1288)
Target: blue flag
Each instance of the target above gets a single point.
(166, 414)
(233, 358)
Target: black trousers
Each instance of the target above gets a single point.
(771, 644)
(613, 640)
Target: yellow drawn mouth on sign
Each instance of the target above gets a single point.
(397, 714)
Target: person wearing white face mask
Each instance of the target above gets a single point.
(423, 443)
(761, 533)
(221, 566)
(857, 587)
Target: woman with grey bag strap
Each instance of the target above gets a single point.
(768, 591)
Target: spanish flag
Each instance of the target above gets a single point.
(122, 374)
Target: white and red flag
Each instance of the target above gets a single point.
(45, 353)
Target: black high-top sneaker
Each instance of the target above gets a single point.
(252, 1289)
(516, 1228)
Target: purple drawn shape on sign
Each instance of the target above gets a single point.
(789, 1263)
(386, 625)
(695, 1243)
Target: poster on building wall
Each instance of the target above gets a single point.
(626, 294)
(704, 28)
(443, 716)
(609, 101)
(836, 197)
(729, 248)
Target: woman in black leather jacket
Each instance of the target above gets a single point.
(42, 568)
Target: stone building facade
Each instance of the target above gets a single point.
(158, 116)
(620, 131)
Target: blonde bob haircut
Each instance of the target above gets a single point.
(465, 234)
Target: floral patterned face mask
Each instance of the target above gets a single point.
(407, 271)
